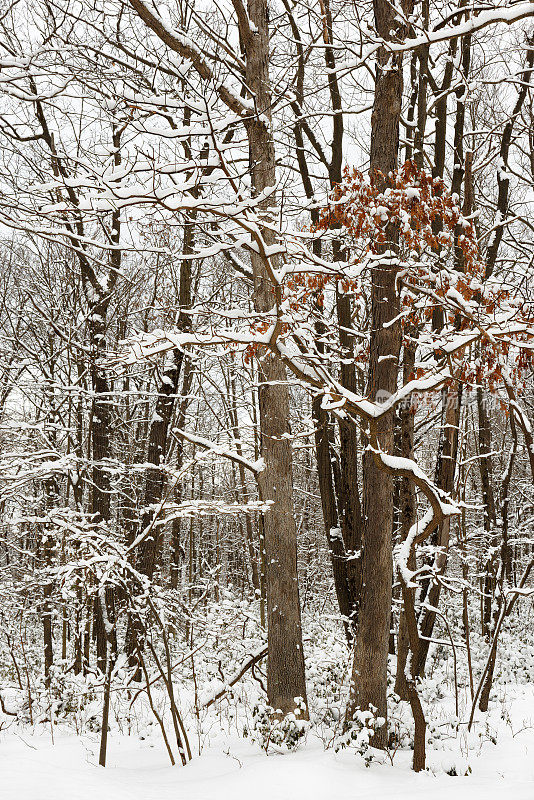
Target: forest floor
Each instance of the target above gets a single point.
(41, 768)
(44, 761)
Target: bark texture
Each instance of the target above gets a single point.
(285, 664)
(369, 676)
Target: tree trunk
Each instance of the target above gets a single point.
(408, 510)
(285, 665)
(445, 480)
(369, 675)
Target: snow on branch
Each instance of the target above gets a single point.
(223, 688)
(506, 14)
(191, 508)
(441, 505)
(182, 44)
(254, 466)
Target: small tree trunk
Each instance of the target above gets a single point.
(103, 602)
(408, 516)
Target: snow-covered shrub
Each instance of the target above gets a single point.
(326, 675)
(285, 733)
(400, 723)
(359, 732)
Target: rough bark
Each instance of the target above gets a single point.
(285, 663)
(369, 675)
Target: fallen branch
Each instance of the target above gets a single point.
(252, 659)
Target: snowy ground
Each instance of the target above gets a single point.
(232, 768)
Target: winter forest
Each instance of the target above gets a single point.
(266, 399)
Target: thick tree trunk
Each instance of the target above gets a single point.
(369, 676)
(285, 665)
